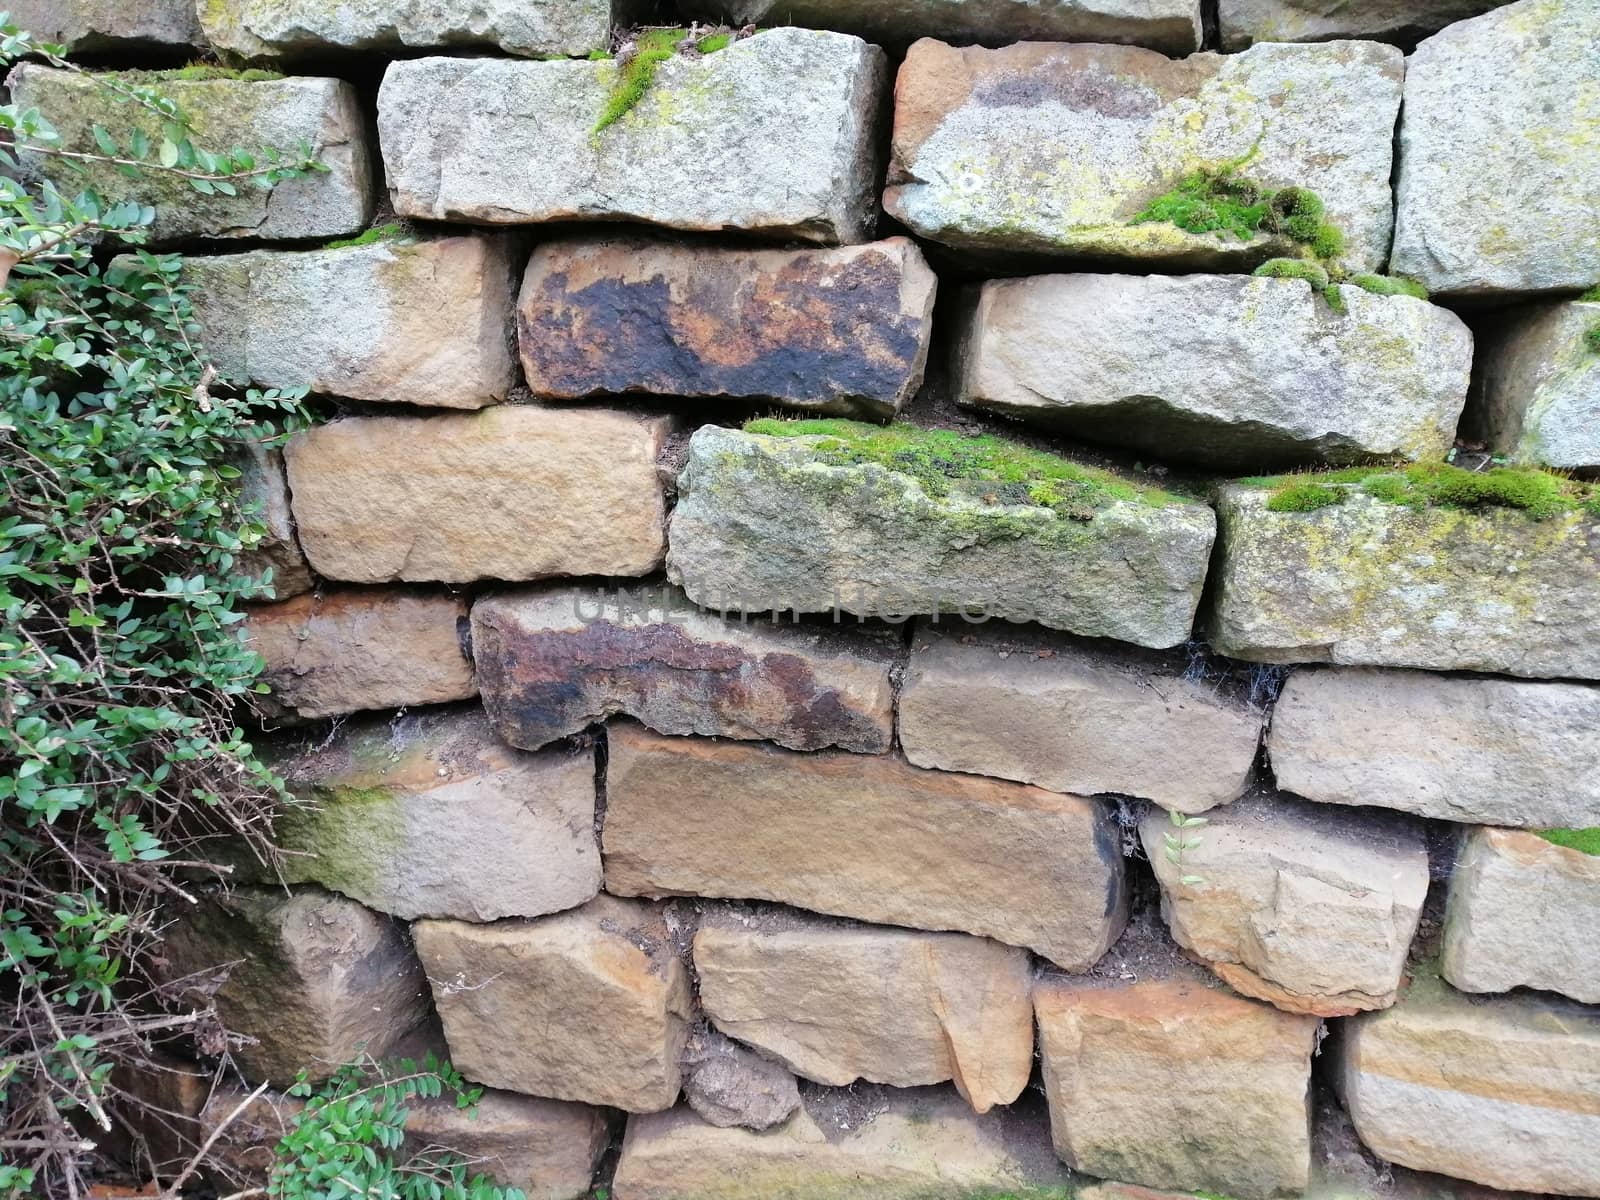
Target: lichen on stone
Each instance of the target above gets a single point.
(1538, 493)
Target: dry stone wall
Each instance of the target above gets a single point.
(794, 668)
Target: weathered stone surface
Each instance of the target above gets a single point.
(1369, 583)
(1482, 751)
(1073, 716)
(99, 25)
(921, 1144)
(262, 483)
(246, 1132)
(766, 523)
(843, 330)
(430, 815)
(1537, 396)
(773, 135)
(547, 1148)
(1501, 1090)
(1309, 908)
(314, 978)
(224, 113)
(1523, 912)
(729, 1085)
(588, 1005)
(1053, 149)
(1231, 371)
(399, 322)
(870, 838)
(1171, 26)
(554, 661)
(506, 493)
(1172, 1083)
(1497, 183)
(156, 1116)
(1246, 21)
(887, 1005)
(268, 28)
(343, 651)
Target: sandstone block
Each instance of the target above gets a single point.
(813, 523)
(1482, 751)
(981, 138)
(339, 652)
(1504, 1091)
(225, 114)
(1309, 908)
(1523, 912)
(728, 1085)
(887, 1005)
(588, 1005)
(430, 815)
(772, 135)
(1246, 21)
(1538, 394)
(1365, 582)
(870, 838)
(553, 662)
(1231, 370)
(1073, 717)
(1173, 1084)
(506, 493)
(268, 28)
(313, 978)
(547, 1148)
(157, 1119)
(246, 1137)
(922, 1144)
(262, 483)
(99, 25)
(1495, 192)
(397, 322)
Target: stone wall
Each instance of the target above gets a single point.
(1002, 785)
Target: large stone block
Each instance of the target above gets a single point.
(1504, 1091)
(1482, 751)
(1523, 912)
(1366, 582)
(262, 484)
(842, 330)
(343, 651)
(1174, 1083)
(430, 815)
(836, 1004)
(913, 1144)
(870, 838)
(397, 322)
(314, 979)
(506, 493)
(1537, 396)
(1231, 371)
(95, 26)
(1246, 21)
(269, 28)
(815, 523)
(1055, 149)
(1497, 180)
(1073, 716)
(773, 135)
(589, 1005)
(547, 1148)
(1309, 908)
(224, 113)
(555, 661)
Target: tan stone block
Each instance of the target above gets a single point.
(547, 1148)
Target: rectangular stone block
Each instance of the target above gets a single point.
(398, 321)
(507, 493)
(1057, 149)
(1366, 582)
(430, 815)
(1246, 21)
(1537, 395)
(1073, 716)
(842, 330)
(1482, 751)
(555, 661)
(225, 114)
(590, 1005)
(870, 838)
(339, 652)
(773, 135)
(98, 26)
(549, 1149)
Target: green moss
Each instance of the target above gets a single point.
(1422, 485)
(1334, 298)
(599, 56)
(1389, 285)
(378, 233)
(1592, 296)
(1585, 841)
(1211, 201)
(717, 41)
(1327, 241)
(634, 76)
(1591, 339)
(1294, 268)
(205, 73)
(1304, 497)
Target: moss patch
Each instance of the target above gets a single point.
(378, 233)
(1592, 296)
(1304, 497)
(1221, 201)
(1585, 841)
(1389, 285)
(1439, 485)
(1591, 339)
(634, 76)
(205, 73)
(1294, 268)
